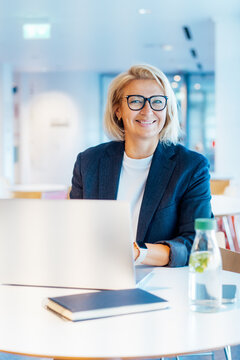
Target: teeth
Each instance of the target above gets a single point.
(146, 122)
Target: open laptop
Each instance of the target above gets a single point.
(77, 243)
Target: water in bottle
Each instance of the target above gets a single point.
(205, 267)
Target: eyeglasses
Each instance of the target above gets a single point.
(137, 102)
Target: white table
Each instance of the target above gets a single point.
(27, 328)
(223, 205)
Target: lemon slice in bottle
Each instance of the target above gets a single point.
(199, 261)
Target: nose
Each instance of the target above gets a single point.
(147, 108)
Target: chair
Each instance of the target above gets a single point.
(218, 186)
(227, 352)
(230, 260)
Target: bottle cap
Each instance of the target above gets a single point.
(205, 224)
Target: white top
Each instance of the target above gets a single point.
(28, 328)
(132, 183)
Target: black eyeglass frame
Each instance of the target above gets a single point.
(144, 101)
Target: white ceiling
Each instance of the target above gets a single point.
(110, 35)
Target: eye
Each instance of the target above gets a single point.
(135, 100)
(157, 101)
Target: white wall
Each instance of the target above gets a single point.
(227, 74)
(6, 123)
(59, 117)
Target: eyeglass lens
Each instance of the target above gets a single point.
(137, 102)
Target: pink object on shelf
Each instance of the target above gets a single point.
(54, 194)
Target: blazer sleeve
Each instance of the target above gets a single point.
(195, 203)
(77, 187)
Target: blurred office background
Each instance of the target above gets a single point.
(57, 58)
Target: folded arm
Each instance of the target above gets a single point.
(194, 203)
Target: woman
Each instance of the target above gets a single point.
(166, 184)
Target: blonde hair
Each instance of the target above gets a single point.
(114, 128)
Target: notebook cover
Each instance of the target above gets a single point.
(106, 303)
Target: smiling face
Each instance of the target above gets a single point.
(145, 124)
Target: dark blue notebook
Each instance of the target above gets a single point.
(104, 303)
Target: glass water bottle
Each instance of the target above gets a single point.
(205, 267)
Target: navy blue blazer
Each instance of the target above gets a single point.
(177, 191)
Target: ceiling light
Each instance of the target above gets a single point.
(193, 53)
(144, 11)
(174, 85)
(36, 31)
(197, 86)
(187, 32)
(167, 47)
(177, 78)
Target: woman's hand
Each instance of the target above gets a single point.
(136, 251)
(157, 255)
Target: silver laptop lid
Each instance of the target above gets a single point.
(77, 243)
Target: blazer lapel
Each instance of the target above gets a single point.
(159, 175)
(109, 172)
